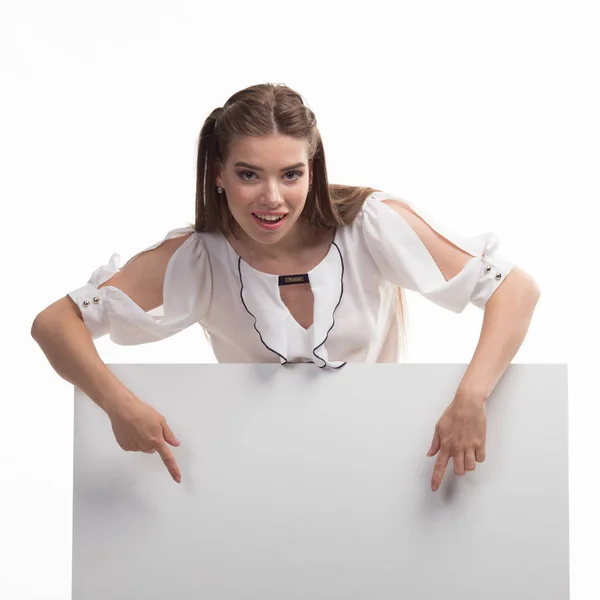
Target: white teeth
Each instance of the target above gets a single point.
(269, 218)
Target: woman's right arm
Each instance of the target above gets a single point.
(67, 343)
(63, 336)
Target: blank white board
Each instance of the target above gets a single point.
(313, 484)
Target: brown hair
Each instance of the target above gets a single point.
(267, 109)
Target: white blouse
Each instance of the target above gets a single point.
(354, 287)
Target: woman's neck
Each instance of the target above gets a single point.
(299, 239)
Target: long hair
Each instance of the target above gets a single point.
(267, 109)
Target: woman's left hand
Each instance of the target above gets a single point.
(460, 434)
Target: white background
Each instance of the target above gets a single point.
(485, 114)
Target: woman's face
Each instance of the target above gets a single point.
(266, 177)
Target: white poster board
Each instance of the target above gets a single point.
(314, 484)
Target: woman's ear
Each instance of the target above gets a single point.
(218, 172)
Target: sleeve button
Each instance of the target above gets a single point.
(488, 268)
(96, 299)
(85, 302)
(498, 275)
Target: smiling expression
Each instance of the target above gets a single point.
(266, 182)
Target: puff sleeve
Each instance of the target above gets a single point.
(404, 260)
(187, 291)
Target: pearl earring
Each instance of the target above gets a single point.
(219, 190)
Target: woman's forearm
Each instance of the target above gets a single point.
(68, 346)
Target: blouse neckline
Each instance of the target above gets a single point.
(270, 276)
(259, 294)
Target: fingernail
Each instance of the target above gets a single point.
(434, 487)
(177, 441)
(178, 479)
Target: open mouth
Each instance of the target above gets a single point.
(269, 220)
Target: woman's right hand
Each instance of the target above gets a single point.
(139, 427)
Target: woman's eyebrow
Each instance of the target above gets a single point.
(249, 166)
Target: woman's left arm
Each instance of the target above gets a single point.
(506, 319)
(461, 430)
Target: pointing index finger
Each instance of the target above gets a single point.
(169, 460)
(439, 470)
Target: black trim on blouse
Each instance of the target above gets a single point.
(326, 336)
(332, 315)
(257, 331)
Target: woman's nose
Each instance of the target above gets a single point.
(271, 197)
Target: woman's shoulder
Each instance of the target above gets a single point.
(371, 204)
(188, 236)
(380, 196)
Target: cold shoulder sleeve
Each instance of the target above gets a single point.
(187, 289)
(403, 259)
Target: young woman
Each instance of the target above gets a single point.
(281, 266)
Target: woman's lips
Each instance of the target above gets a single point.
(270, 226)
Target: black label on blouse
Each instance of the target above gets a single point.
(291, 279)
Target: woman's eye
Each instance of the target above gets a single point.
(243, 173)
